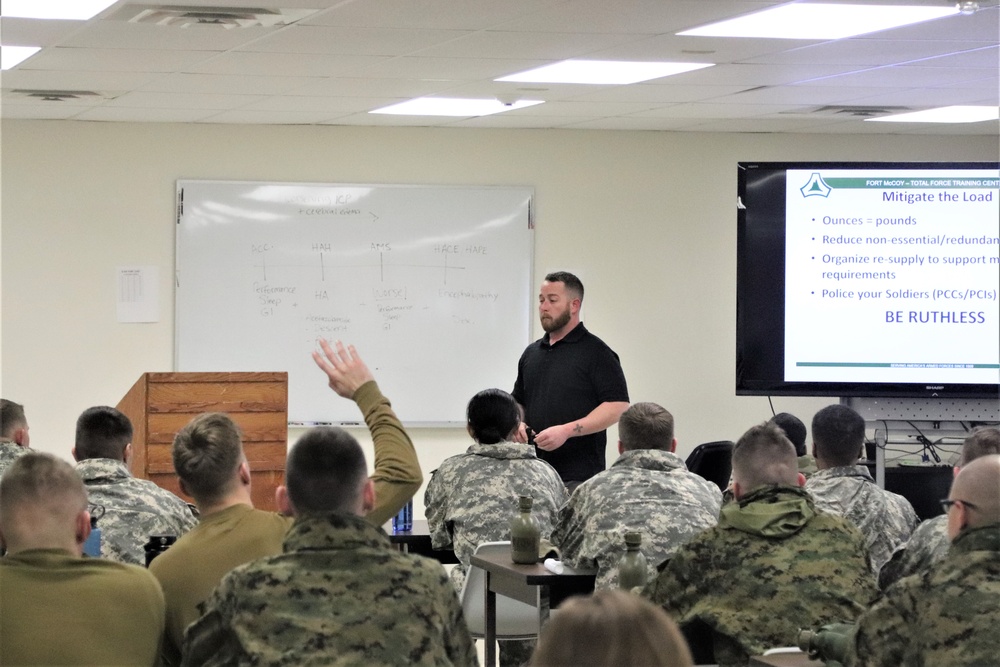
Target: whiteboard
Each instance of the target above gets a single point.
(432, 284)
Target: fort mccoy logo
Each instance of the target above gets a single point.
(815, 187)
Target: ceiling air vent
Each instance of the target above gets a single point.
(56, 95)
(859, 111)
(181, 16)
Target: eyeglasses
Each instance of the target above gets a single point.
(947, 503)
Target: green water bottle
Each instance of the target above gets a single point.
(525, 534)
(632, 570)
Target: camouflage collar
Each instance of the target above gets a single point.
(502, 450)
(650, 459)
(770, 511)
(102, 471)
(845, 471)
(325, 532)
(984, 538)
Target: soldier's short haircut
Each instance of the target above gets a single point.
(611, 627)
(793, 428)
(11, 418)
(764, 455)
(839, 433)
(45, 485)
(492, 415)
(646, 426)
(102, 432)
(325, 472)
(573, 284)
(206, 454)
(983, 441)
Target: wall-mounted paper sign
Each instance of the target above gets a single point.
(138, 294)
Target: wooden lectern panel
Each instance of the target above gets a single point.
(160, 404)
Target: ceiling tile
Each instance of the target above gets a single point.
(352, 40)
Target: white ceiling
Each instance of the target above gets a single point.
(352, 56)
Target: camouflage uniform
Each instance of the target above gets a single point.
(9, 452)
(339, 594)
(472, 497)
(807, 466)
(927, 545)
(646, 490)
(884, 518)
(134, 509)
(945, 615)
(59, 609)
(772, 565)
(191, 569)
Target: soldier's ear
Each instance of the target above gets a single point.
(75, 457)
(283, 502)
(801, 480)
(368, 497)
(673, 445)
(82, 528)
(127, 454)
(621, 447)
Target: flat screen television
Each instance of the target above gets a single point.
(875, 279)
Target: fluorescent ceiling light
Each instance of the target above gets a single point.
(601, 72)
(956, 114)
(77, 10)
(12, 56)
(821, 21)
(452, 106)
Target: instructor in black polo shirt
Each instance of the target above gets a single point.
(570, 385)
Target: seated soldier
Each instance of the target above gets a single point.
(209, 459)
(472, 497)
(340, 593)
(14, 438)
(648, 489)
(133, 508)
(774, 563)
(796, 432)
(56, 607)
(948, 613)
(846, 489)
(929, 542)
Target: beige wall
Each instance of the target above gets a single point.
(646, 218)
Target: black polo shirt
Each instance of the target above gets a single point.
(564, 382)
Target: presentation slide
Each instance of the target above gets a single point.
(892, 276)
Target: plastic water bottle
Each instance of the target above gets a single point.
(403, 522)
(92, 547)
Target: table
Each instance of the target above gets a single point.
(531, 584)
(417, 540)
(784, 660)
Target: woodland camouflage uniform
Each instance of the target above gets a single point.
(773, 565)
(134, 509)
(645, 490)
(340, 594)
(885, 519)
(946, 615)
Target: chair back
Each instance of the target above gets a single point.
(713, 461)
(515, 619)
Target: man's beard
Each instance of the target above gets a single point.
(557, 322)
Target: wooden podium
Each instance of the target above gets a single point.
(159, 404)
